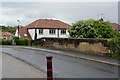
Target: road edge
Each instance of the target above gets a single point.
(61, 53)
(85, 58)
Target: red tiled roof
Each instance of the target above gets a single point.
(42, 23)
(48, 23)
(115, 26)
(7, 33)
(1, 32)
(23, 31)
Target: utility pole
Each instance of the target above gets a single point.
(18, 29)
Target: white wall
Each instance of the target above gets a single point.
(46, 33)
(16, 33)
(32, 33)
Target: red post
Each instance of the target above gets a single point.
(49, 68)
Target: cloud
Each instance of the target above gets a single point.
(60, 0)
(68, 12)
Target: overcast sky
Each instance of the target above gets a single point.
(68, 12)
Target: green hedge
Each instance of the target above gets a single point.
(19, 41)
(24, 41)
(6, 42)
(114, 45)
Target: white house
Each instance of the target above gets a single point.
(44, 28)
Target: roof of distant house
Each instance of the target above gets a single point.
(0, 32)
(23, 32)
(7, 33)
(47, 23)
(115, 26)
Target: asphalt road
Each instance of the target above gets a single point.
(64, 66)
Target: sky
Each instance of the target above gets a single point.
(66, 11)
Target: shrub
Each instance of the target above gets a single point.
(91, 29)
(114, 45)
(21, 41)
(16, 39)
(24, 41)
(0, 41)
(6, 42)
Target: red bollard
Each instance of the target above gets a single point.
(49, 68)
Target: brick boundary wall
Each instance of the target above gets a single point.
(87, 45)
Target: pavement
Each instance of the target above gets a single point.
(0, 64)
(14, 68)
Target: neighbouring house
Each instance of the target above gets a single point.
(6, 35)
(115, 26)
(44, 28)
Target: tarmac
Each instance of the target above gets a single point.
(90, 57)
(14, 68)
(85, 56)
(99, 59)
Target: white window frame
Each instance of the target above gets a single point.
(63, 31)
(52, 31)
(41, 31)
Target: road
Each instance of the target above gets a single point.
(64, 66)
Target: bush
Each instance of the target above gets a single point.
(91, 29)
(20, 41)
(114, 45)
(6, 42)
(117, 34)
(24, 41)
(0, 41)
(16, 39)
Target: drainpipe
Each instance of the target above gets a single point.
(58, 32)
(18, 31)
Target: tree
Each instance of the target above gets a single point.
(91, 29)
(9, 28)
(114, 45)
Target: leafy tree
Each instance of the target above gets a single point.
(114, 45)
(91, 29)
(9, 28)
(117, 34)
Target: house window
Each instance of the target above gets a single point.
(40, 31)
(25, 35)
(63, 31)
(52, 31)
(4, 34)
(8, 37)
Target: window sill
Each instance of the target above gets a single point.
(40, 34)
(52, 34)
(63, 34)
